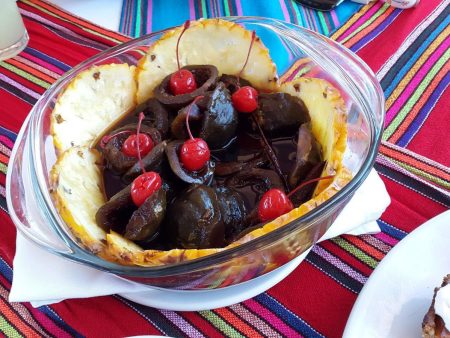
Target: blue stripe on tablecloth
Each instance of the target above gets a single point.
(168, 13)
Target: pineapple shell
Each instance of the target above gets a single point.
(74, 176)
(213, 41)
(93, 101)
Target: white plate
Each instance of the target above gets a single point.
(184, 300)
(399, 292)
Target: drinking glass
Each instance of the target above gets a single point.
(13, 35)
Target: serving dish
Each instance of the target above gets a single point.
(398, 294)
(35, 214)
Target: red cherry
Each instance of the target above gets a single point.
(130, 146)
(143, 186)
(182, 82)
(273, 203)
(194, 154)
(245, 99)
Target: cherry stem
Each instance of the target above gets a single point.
(248, 55)
(141, 117)
(185, 27)
(187, 115)
(308, 182)
(105, 139)
(272, 157)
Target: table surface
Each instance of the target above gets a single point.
(408, 51)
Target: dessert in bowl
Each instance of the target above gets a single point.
(84, 205)
(436, 321)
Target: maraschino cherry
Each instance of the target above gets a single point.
(130, 146)
(147, 183)
(194, 153)
(245, 99)
(275, 202)
(182, 81)
(144, 186)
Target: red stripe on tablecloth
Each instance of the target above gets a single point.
(408, 209)
(95, 315)
(434, 132)
(68, 52)
(76, 20)
(8, 243)
(12, 120)
(298, 292)
(378, 51)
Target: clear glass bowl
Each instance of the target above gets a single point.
(35, 215)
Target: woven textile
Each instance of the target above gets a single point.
(316, 299)
(140, 17)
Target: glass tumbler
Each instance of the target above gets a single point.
(13, 35)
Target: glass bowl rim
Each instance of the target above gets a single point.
(84, 256)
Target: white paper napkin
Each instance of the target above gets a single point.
(43, 278)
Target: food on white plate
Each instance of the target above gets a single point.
(216, 154)
(436, 323)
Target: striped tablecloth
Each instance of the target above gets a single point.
(409, 52)
(140, 17)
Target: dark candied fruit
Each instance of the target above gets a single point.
(205, 77)
(281, 114)
(112, 149)
(136, 223)
(233, 167)
(203, 176)
(178, 126)
(145, 221)
(250, 159)
(115, 213)
(307, 156)
(212, 215)
(220, 119)
(151, 162)
(253, 183)
(156, 115)
(233, 83)
(233, 210)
